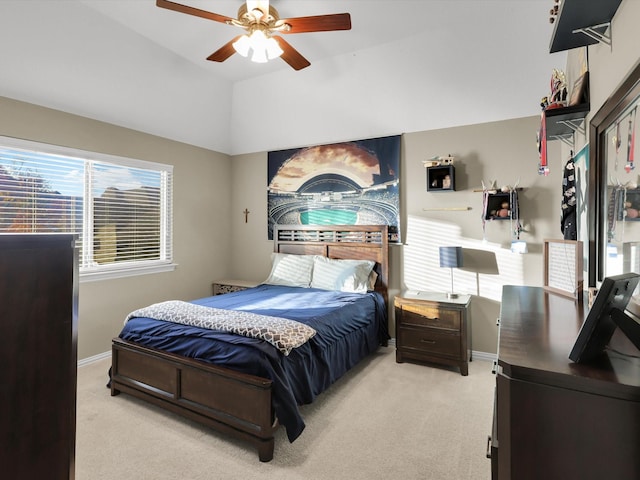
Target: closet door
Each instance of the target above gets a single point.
(38, 356)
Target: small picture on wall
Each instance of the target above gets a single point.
(350, 183)
(580, 91)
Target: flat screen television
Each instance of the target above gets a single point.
(607, 314)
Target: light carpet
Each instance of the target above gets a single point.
(383, 420)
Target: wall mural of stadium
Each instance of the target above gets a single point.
(352, 183)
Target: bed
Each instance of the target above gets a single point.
(248, 387)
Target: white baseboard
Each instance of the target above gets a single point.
(483, 356)
(95, 358)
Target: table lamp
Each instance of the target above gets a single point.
(451, 257)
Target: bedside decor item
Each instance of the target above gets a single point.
(451, 257)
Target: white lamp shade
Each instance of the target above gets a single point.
(273, 49)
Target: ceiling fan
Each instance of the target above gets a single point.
(261, 21)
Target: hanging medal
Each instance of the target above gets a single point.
(631, 140)
(617, 141)
(543, 169)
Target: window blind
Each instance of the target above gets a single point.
(119, 208)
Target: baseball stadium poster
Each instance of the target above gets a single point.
(349, 183)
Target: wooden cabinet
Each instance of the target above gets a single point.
(555, 419)
(38, 332)
(432, 328)
(221, 287)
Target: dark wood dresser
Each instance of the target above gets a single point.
(553, 419)
(38, 338)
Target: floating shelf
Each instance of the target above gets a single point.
(582, 22)
(563, 122)
(441, 178)
(495, 205)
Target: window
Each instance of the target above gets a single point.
(120, 208)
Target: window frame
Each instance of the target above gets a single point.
(113, 270)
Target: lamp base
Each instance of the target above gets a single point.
(452, 295)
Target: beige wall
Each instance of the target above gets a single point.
(501, 151)
(201, 215)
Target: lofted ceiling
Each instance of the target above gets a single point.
(133, 64)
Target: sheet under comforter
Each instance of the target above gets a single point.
(349, 326)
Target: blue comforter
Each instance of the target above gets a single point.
(349, 326)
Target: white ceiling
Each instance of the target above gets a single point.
(131, 63)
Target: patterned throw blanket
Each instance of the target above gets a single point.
(282, 333)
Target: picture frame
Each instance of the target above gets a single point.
(563, 267)
(580, 90)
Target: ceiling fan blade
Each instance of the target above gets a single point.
(318, 23)
(291, 55)
(177, 7)
(224, 51)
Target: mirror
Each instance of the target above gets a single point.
(622, 196)
(614, 193)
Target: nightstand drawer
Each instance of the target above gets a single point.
(428, 340)
(430, 316)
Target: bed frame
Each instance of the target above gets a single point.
(231, 402)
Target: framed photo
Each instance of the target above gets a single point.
(580, 91)
(348, 183)
(563, 267)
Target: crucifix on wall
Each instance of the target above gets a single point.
(246, 215)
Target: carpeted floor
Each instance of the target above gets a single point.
(383, 420)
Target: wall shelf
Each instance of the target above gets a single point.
(582, 22)
(563, 122)
(502, 206)
(441, 178)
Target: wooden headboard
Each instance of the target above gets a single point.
(361, 242)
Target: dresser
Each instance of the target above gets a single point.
(433, 328)
(553, 419)
(38, 338)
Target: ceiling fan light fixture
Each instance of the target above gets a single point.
(273, 49)
(259, 56)
(242, 45)
(261, 21)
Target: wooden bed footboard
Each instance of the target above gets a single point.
(230, 402)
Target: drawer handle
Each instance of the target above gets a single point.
(435, 319)
(431, 342)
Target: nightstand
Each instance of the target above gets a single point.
(227, 286)
(433, 328)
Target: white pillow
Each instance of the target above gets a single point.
(290, 270)
(342, 275)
